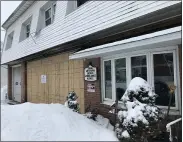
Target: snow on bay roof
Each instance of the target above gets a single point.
(124, 44)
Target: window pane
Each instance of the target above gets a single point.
(108, 79)
(163, 78)
(80, 2)
(27, 34)
(139, 67)
(48, 13)
(28, 28)
(48, 22)
(120, 69)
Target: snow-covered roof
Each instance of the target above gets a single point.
(152, 38)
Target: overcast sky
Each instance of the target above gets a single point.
(7, 7)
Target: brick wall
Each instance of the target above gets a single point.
(94, 99)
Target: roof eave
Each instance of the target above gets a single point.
(6, 25)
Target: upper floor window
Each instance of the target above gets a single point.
(46, 15)
(73, 5)
(81, 2)
(25, 29)
(9, 40)
(50, 14)
(28, 30)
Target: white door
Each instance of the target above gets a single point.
(16, 84)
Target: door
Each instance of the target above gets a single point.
(164, 77)
(16, 84)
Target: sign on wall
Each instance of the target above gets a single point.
(91, 73)
(43, 78)
(90, 88)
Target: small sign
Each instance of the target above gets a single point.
(90, 88)
(90, 73)
(43, 78)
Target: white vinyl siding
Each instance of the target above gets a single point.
(91, 17)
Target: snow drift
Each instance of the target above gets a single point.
(49, 122)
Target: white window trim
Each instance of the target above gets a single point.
(52, 14)
(26, 29)
(103, 84)
(7, 40)
(149, 54)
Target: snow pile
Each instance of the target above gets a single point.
(140, 112)
(101, 121)
(49, 122)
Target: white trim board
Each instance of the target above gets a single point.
(163, 38)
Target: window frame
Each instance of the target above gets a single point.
(47, 18)
(10, 37)
(104, 98)
(81, 4)
(26, 30)
(52, 15)
(150, 75)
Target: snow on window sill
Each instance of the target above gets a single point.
(172, 111)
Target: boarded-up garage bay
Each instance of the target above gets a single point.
(62, 75)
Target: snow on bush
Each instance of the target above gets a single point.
(71, 102)
(49, 122)
(140, 113)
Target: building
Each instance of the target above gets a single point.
(4, 72)
(49, 45)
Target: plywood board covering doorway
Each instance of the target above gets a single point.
(62, 75)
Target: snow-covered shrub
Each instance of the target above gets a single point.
(71, 101)
(91, 112)
(141, 113)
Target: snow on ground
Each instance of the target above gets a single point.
(101, 121)
(49, 122)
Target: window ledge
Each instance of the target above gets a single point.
(109, 103)
(172, 111)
